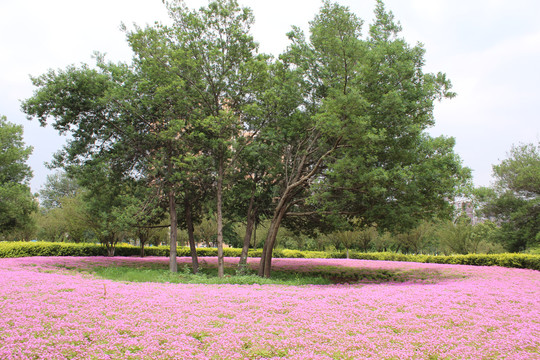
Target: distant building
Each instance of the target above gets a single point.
(465, 206)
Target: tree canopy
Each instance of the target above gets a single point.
(331, 131)
(359, 147)
(58, 186)
(514, 200)
(16, 199)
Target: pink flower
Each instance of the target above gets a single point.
(454, 312)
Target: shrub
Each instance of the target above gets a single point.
(292, 253)
(23, 249)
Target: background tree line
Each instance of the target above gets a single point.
(63, 216)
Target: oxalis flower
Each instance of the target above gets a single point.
(442, 312)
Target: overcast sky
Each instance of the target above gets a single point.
(490, 50)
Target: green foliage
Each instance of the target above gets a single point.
(361, 239)
(27, 232)
(69, 221)
(321, 275)
(457, 237)
(171, 117)
(206, 275)
(384, 242)
(514, 200)
(338, 120)
(108, 201)
(16, 201)
(23, 249)
(417, 240)
(63, 212)
(521, 171)
(524, 261)
(377, 101)
(57, 187)
(16, 206)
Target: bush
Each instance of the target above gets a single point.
(295, 254)
(23, 249)
(523, 261)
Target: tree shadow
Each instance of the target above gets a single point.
(343, 274)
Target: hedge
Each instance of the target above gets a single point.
(522, 261)
(23, 249)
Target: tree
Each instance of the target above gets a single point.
(57, 187)
(360, 237)
(132, 117)
(333, 129)
(417, 240)
(69, 221)
(160, 104)
(16, 200)
(392, 173)
(27, 232)
(146, 212)
(484, 238)
(347, 239)
(108, 200)
(456, 237)
(205, 231)
(298, 148)
(255, 190)
(384, 242)
(360, 148)
(180, 100)
(253, 177)
(514, 200)
(224, 72)
(520, 173)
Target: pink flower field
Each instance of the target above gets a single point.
(465, 312)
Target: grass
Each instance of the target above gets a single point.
(206, 275)
(322, 275)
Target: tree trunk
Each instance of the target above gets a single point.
(173, 266)
(250, 221)
(265, 265)
(191, 237)
(255, 233)
(221, 266)
(110, 250)
(297, 181)
(143, 238)
(110, 244)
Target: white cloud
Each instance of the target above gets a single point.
(431, 9)
(490, 49)
(500, 76)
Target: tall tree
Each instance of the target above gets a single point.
(300, 150)
(182, 98)
(58, 186)
(259, 153)
(215, 46)
(308, 140)
(367, 104)
(514, 199)
(132, 117)
(390, 170)
(16, 200)
(69, 221)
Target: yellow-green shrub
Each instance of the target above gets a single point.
(22, 249)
